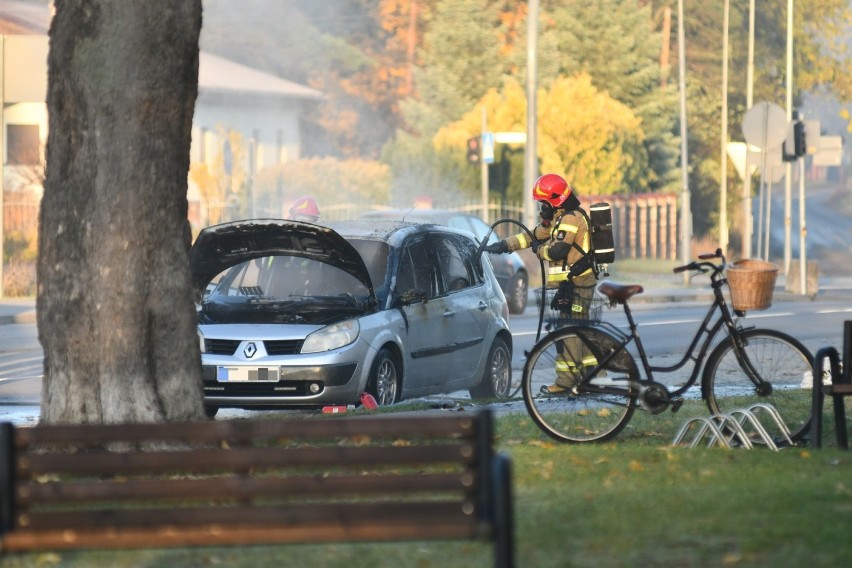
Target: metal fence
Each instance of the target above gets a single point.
(644, 225)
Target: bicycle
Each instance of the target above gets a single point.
(746, 367)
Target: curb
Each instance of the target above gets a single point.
(23, 317)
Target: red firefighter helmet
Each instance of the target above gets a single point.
(551, 188)
(305, 209)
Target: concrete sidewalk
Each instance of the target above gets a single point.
(658, 289)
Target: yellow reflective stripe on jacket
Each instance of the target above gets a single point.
(564, 366)
(523, 240)
(556, 274)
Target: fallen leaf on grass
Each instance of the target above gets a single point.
(540, 444)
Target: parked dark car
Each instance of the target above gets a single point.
(510, 270)
(298, 315)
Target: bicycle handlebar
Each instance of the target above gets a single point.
(704, 267)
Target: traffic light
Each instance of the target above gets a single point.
(799, 142)
(474, 154)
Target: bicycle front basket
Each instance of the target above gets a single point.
(557, 318)
(752, 283)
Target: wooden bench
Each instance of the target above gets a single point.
(840, 387)
(244, 482)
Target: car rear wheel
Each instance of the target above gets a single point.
(384, 383)
(497, 377)
(211, 411)
(518, 293)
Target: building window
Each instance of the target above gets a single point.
(22, 145)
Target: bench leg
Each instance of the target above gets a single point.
(504, 538)
(817, 394)
(840, 421)
(816, 417)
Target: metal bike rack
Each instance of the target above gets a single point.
(739, 426)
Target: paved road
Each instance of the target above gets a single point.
(21, 358)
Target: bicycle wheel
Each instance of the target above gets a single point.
(600, 406)
(779, 360)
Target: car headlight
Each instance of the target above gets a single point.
(332, 337)
(201, 343)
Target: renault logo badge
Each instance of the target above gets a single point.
(250, 350)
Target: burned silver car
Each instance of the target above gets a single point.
(298, 315)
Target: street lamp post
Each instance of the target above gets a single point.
(788, 190)
(530, 155)
(723, 184)
(685, 213)
(747, 222)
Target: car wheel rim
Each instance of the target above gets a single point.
(520, 290)
(500, 372)
(386, 382)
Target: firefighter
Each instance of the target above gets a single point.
(305, 209)
(562, 240)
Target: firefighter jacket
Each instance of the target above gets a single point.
(567, 227)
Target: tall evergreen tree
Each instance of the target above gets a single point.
(615, 42)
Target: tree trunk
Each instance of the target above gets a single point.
(116, 315)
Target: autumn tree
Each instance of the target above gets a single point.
(821, 60)
(115, 307)
(616, 43)
(598, 149)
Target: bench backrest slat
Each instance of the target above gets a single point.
(256, 515)
(201, 460)
(240, 488)
(364, 428)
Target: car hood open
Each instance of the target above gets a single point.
(220, 247)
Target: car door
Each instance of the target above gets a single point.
(467, 316)
(416, 295)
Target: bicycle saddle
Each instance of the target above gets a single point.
(620, 292)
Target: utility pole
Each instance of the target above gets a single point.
(748, 222)
(531, 149)
(483, 167)
(685, 200)
(2, 154)
(411, 44)
(788, 190)
(723, 185)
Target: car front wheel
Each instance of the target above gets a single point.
(518, 293)
(384, 383)
(497, 377)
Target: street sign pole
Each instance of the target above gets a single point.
(483, 168)
(765, 127)
(803, 262)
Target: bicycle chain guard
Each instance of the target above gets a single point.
(654, 397)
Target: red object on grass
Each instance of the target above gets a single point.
(368, 401)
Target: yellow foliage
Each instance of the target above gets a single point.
(591, 139)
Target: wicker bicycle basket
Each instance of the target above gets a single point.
(752, 283)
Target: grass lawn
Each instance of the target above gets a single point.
(634, 501)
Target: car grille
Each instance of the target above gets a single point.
(283, 346)
(229, 346)
(221, 346)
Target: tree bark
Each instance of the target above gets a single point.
(116, 315)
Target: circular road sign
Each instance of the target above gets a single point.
(765, 125)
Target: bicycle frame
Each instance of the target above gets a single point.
(709, 328)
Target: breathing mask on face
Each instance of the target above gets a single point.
(545, 211)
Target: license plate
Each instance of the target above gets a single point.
(247, 374)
